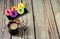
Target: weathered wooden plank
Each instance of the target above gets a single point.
(4, 31)
(56, 10)
(6, 34)
(51, 19)
(49, 14)
(41, 19)
(1, 20)
(28, 19)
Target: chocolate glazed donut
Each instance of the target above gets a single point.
(13, 28)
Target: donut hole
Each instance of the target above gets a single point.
(13, 8)
(20, 10)
(8, 12)
(13, 13)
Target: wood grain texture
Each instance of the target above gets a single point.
(29, 34)
(42, 19)
(3, 28)
(51, 19)
(56, 9)
(1, 20)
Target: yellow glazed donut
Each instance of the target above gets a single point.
(21, 5)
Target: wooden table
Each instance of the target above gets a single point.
(42, 20)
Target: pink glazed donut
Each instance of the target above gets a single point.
(7, 12)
